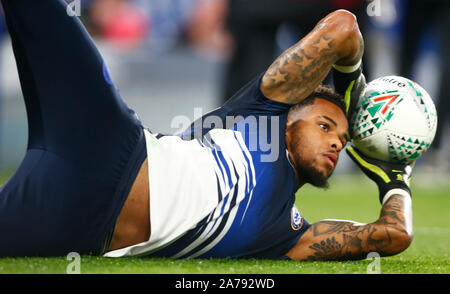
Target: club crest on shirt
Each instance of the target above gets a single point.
(296, 219)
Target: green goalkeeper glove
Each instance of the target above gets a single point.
(387, 176)
(349, 82)
(353, 93)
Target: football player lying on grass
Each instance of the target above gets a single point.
(94, 180)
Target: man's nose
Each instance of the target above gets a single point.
(336, 144)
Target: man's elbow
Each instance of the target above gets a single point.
(400, 240)
(344, 21)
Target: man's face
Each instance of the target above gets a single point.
(315, 136)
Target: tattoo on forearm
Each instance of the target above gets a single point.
(301, 69)
(340, 240)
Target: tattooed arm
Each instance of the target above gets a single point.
(294, 75)
(345, 240)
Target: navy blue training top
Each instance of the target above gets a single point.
(255, 216)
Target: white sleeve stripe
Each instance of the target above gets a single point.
(251, 185)
(225, 213)
(229, 222)
(209, 231)
(220, 166)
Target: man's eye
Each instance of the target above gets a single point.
(324, 127)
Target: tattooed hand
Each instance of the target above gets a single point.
(300, 69)
(345, 240)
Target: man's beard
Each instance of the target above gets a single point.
(309, 174)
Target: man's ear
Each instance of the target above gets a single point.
(289, 121)
(293, 117)
(288, 133)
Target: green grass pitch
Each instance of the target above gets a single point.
(351, 197)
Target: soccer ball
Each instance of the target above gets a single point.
(395, 120)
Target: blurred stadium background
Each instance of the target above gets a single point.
(178, 57)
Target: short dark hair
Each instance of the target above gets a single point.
(324, 92)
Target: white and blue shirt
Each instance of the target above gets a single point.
(225, 186)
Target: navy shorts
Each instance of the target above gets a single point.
(85, 145)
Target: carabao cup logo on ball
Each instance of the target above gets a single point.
(395, 120)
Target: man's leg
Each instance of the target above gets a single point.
(65, 83)
(85, 145)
